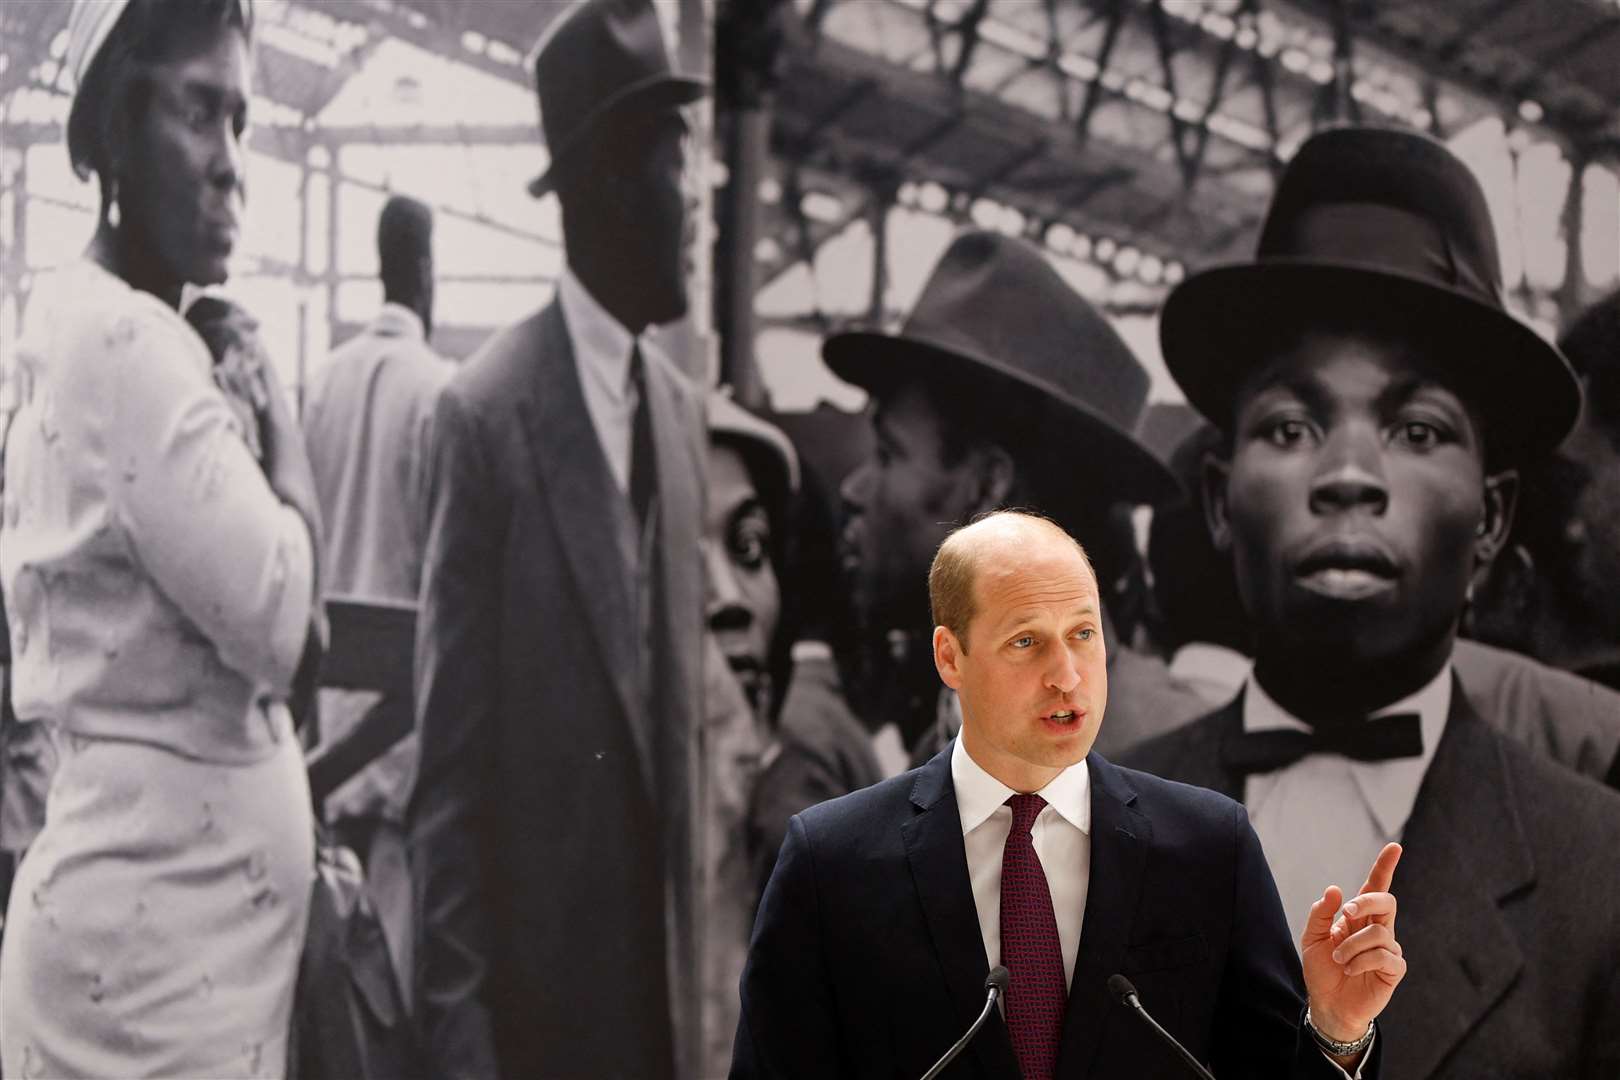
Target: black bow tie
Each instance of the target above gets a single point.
(1379, 739)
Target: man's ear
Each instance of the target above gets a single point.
(1504, 603)
(948, 657)
(1496, 520)
(1216, 473)
(995, 477)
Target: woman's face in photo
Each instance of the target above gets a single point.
(743, 599)
(181, 188)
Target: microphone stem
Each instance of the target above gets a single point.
(950, 1055)
(1192, 1063)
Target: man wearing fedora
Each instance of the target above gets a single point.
(1003, 388)
(1376, 399)
(558, 665)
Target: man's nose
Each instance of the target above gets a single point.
(227, 166)
(1350, 472)
(856, 488)
(1064, 674)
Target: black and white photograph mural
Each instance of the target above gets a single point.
(809, 538)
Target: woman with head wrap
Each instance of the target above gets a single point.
(157, 558)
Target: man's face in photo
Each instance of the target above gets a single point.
(1353, 501)
(640, 170)
(899, 505)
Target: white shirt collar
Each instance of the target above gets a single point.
(978, 794)
(400, 320)
(601, 343)
(1390, 788)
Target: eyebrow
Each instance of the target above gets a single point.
(212, 93)
(748, 505)
(1314, 394)
(1022, 618)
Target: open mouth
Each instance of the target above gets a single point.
(1064, 718)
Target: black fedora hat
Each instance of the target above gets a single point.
(599, 57)
(1388, 223)
(995, 313)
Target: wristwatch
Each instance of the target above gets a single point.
(1334, 1046)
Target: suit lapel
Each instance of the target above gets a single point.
(933, 840)
(1466, 852)
(583, 495)
(1120, 836)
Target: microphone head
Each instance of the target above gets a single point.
(1121, 988)
(998, 979)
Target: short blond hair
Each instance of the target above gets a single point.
(952, 576)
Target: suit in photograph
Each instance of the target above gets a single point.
(868, 959)
(558, 678)
(1509, 911)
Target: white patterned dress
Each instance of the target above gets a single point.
(158, 594)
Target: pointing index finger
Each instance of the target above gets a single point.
(1382, 873)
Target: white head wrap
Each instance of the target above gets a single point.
(89, 23)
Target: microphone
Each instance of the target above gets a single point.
(1121, 988)
(995, 985)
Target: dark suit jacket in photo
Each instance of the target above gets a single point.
(552, 819)
(1509, 893)
(867, 959)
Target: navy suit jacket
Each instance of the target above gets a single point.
(867, 959)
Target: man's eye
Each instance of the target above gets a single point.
(1023, 642)
(1418, 433)
(1085, 635)
(1286, 432)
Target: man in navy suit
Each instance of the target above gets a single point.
(1018, 846)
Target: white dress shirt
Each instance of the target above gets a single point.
(1062, 838)
(1324, 819)
(602, 354)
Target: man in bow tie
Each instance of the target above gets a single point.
(1375, 398)
(1018, 846)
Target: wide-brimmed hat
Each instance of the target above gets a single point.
(1390, 224)
(598, 58)
(996, 314)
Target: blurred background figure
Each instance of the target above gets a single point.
(1555, 592)
(159, 565)
(752, 479)
(368, 425)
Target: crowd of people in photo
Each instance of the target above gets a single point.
(1376, 601)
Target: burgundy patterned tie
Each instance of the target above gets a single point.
(1030, 949)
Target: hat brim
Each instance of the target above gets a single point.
(1110, 460)
(653, 92)
(1216, 325)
